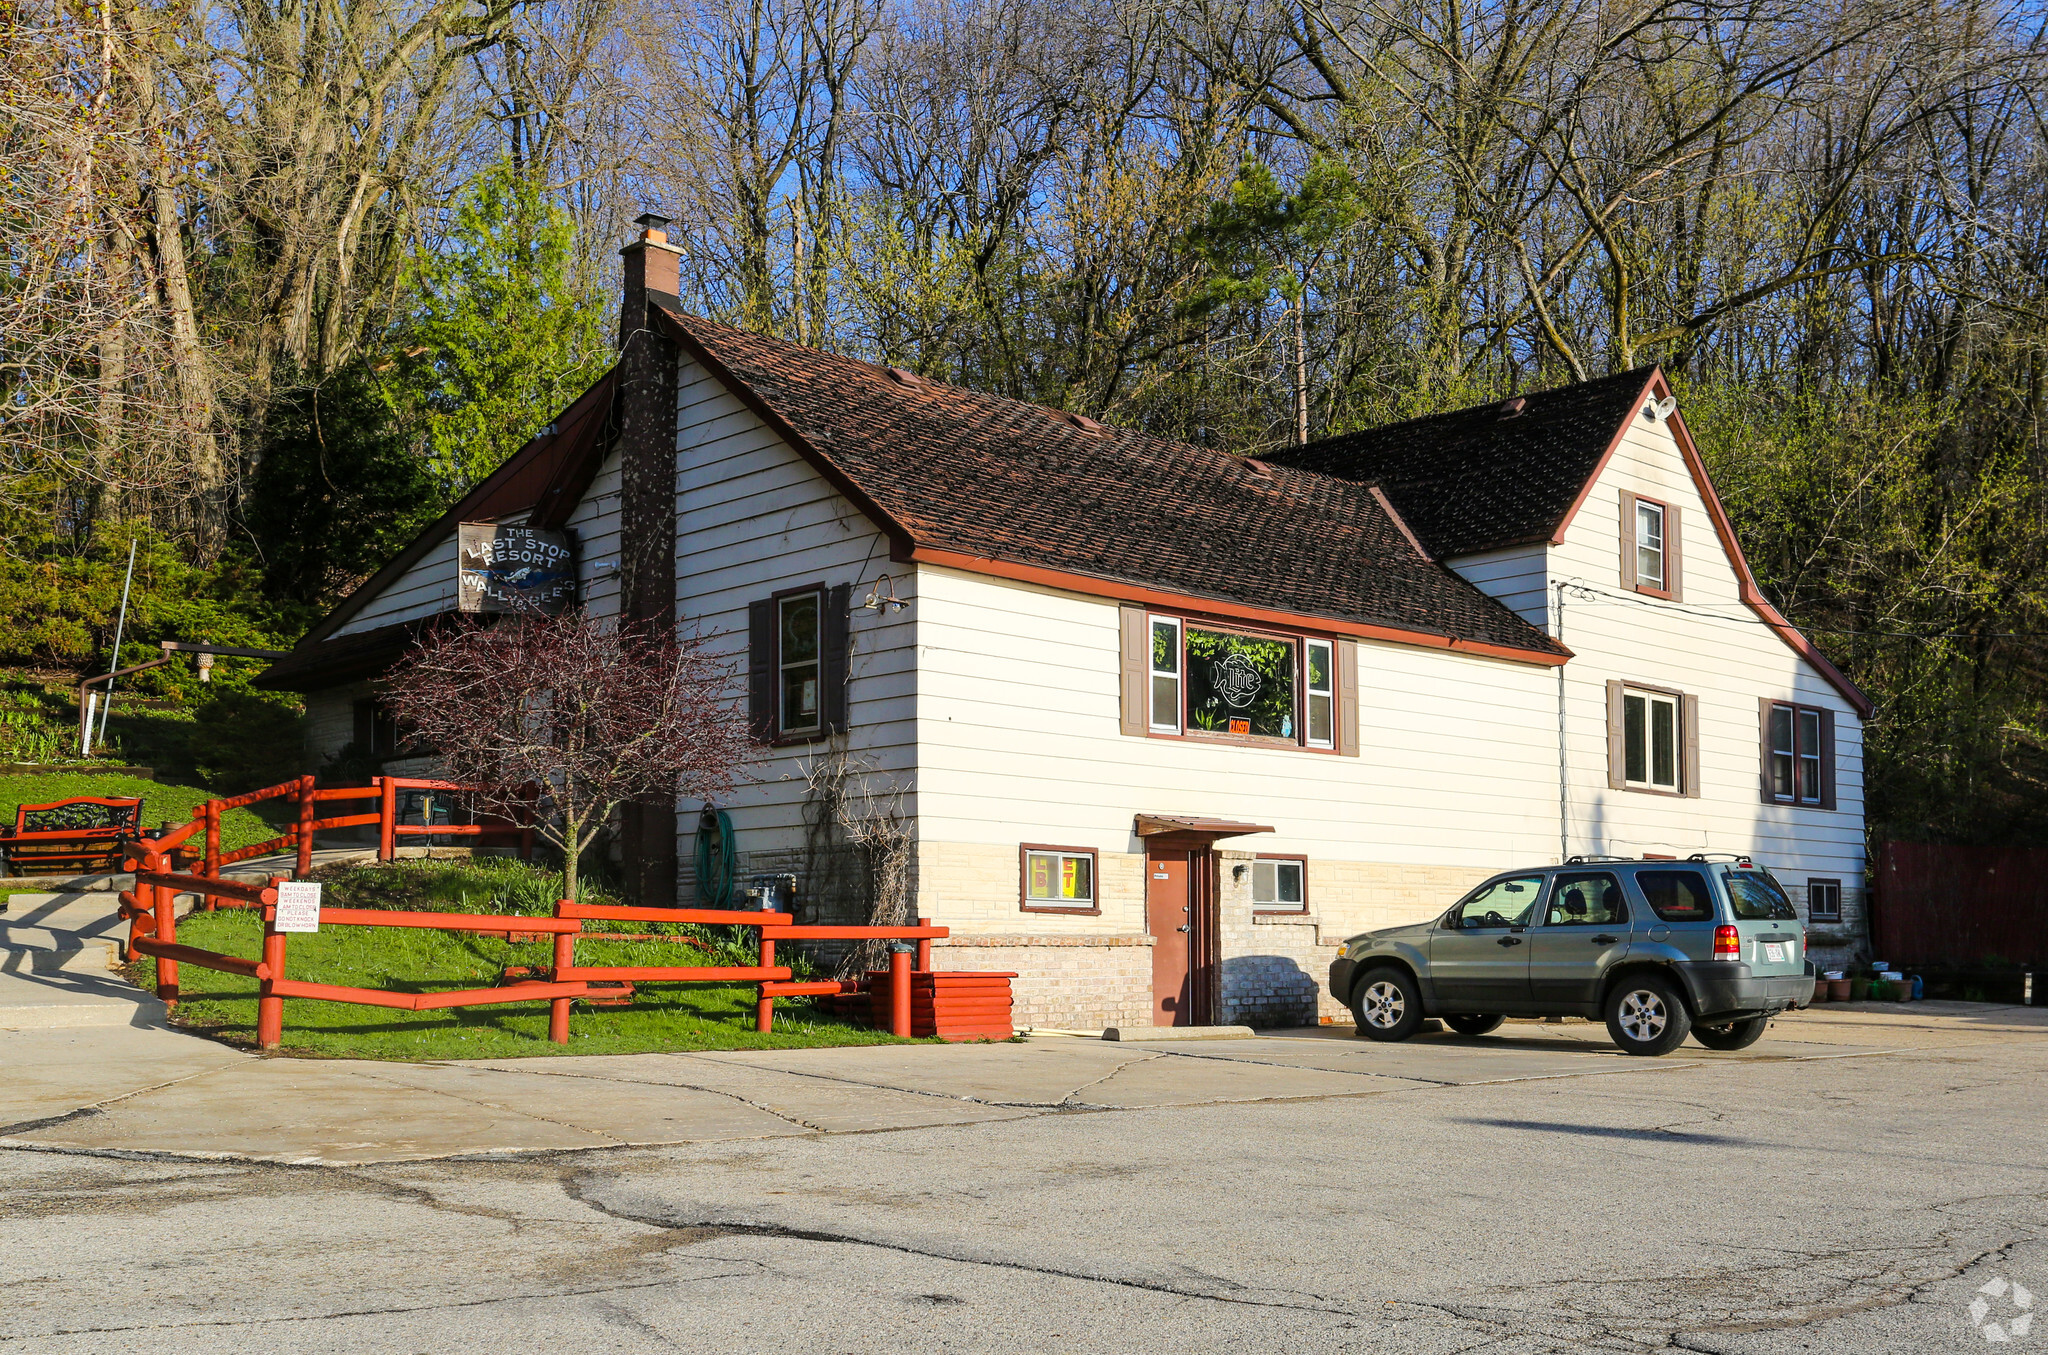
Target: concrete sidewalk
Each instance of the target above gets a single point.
(156, 1091)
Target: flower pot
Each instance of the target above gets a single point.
(1859, 990)
(1839, 989)
(1881, 990)
(1820, 990)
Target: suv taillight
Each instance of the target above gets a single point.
(1727, 943)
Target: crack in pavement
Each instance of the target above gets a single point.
(96, 1107)
(575, 1186)
(391, 1311)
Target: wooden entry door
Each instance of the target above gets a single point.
(1170, 917)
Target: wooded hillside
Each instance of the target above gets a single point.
(280, 280)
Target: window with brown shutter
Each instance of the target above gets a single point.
(1797, 751)
(1185, 676)
(797, 649)
(1653, 740)
(1652, 554)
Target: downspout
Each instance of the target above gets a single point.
(1564, 813)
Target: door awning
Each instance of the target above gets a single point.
(1194, 825)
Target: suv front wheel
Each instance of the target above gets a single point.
(1386, 1004)
(1645, 1015)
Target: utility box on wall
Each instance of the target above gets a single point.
(514, 569)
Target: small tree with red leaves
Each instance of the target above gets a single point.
(570, 717)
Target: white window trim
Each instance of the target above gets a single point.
(1646, 508)
(1652, 700)
(1176, 676)
(1059, 902)
(1807, 789)
(1309, 692)
(1276, 904)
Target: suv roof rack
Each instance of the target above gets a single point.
(1582, 860)
(1740, 857)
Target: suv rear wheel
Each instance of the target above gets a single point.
(1732, 1034)
(1645, 1015)
(1473, 1025)
(1386, 1004)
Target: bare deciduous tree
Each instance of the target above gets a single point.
(570, 717)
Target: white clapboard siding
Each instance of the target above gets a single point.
(1018, 741)
(594, 531)
(753, 518)
(1518, 577)
(1709, 644)
(425, 589)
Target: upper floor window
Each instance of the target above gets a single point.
(1798, 754)
(1650, 737)
(1202, 679)
(1652, 740)
(1649, 543)
(1650, 550)
(796, 663)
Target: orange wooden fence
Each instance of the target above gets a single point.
(150, 909)
(300, 835)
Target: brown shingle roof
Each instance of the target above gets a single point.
(959, 471)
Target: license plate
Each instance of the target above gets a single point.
(1774, 951)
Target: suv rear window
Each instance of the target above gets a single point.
(1677, 895)
(1755, 897)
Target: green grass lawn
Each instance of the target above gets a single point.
(663, 1016)
(238, 827)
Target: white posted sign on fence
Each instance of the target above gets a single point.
(298, 906)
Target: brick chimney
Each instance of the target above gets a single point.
(653, 269)
(647, 513)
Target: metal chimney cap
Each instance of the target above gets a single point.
(652, 221)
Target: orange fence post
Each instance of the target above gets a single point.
(924, 955)
(307, 815)
(899, 993)
(565, 958)
(269, 1006)
(211, 870)
(387, 819)
(166, 930)
(764, 1009)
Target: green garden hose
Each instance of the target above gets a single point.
(714, 858)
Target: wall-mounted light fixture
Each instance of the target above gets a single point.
(882, 599)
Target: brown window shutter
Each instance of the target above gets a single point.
(1628, 540)
(1763, 739)
(1347, 697)
(761, 668)
(835, 643)
(1617, 744)
(1689, 714)
(1674, 553)
(1137, 669)
(1827, 759)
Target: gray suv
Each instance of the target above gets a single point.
(1658, 949)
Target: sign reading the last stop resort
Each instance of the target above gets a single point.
(514, 569)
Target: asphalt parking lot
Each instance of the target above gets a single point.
(1854, 1182)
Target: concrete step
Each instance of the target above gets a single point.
(87, 957)
(35, 998)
